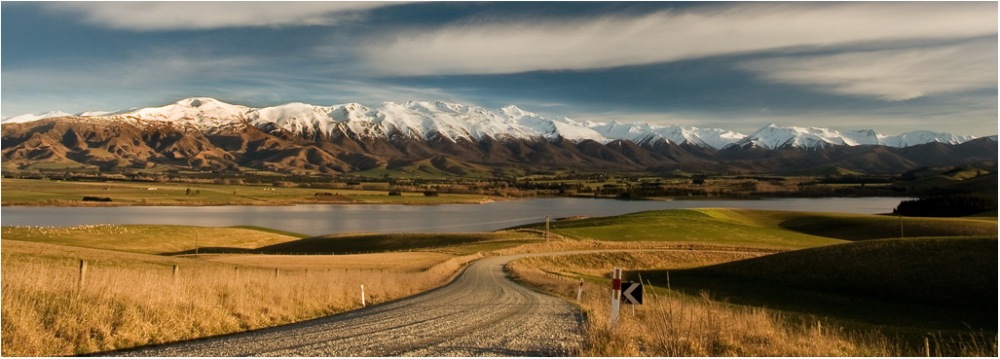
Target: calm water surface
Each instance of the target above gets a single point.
(330, 219)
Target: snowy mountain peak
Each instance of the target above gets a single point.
(920, 137)
(441, 120)
(515, 112)
(204, 113)
(644, 133)
(774, 137)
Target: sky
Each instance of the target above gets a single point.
(890, 66)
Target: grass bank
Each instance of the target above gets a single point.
(826, 288)
(705, 323)
(670, 324)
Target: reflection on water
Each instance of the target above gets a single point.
(330, 219)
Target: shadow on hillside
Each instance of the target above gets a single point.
(914, 284)
(213, 250)
(861, 228)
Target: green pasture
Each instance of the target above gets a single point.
(728, 227)
(761, 228)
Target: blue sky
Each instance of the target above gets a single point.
(893, 67)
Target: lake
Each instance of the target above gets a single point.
(331, 219)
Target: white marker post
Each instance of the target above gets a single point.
(616, 294)
(363, 295)
(547, 219)
(579, 291)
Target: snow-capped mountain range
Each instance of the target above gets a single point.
(442, 120)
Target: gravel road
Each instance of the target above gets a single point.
(481, 313)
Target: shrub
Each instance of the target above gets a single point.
(945, 206)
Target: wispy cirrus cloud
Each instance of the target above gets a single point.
(515, 46)
(202, 15)
(895, 74)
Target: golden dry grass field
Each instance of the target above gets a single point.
(129, 299)
(131, 295)
(149, 239)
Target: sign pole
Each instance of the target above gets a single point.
(579, 291)
(616, 294)
(363, 295)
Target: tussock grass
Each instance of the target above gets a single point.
(130, 299)
(673, 324)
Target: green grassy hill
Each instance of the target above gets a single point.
(951, 282)
(951, 271)
(730, 227)
(764, 228)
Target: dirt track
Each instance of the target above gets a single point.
(481, 313)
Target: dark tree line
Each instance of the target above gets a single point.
(945, 206)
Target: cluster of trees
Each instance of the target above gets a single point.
(946, 206)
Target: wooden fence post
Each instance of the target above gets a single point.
(176, 269)
(82, 277)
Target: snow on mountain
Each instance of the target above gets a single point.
(35, 117)
(452, 121)
(773, 136)
(94, 113)
(644, 133)
(920, 137)
(420, 119)
(204, 113)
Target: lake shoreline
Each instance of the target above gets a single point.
(484, 200)
(321, 219)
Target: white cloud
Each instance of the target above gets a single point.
(898, 74)
(609, 41)
(199, 15)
